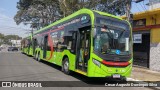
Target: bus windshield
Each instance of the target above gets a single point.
(111, 39)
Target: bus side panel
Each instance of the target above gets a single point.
(57, 58)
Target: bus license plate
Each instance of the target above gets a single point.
(116, 76)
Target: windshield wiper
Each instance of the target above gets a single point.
(120, 35)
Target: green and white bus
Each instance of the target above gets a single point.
(90, 42)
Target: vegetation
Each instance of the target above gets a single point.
(6, 39)
(40, 13)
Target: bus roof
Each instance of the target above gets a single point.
(81, 11)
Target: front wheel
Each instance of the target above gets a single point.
(65, 66)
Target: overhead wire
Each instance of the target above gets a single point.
(137, 8)
(142, 7)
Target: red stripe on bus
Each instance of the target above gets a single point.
(50, 40)
(51, 46)
(50, 31)
(115, 63)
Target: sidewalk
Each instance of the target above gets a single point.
(143, 74)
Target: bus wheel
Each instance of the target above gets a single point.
(123, 79)
(35, 55)
(65, 66)
(38, 57)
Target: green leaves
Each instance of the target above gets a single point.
(40, 13)
(6, 39)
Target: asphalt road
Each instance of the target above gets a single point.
(15, 66)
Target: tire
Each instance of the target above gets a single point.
(38, 57)
(35, 55)
(65, 66)
(124, 79)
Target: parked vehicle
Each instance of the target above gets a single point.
(89, 42)
(12, 49)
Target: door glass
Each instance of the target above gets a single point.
(45, 46)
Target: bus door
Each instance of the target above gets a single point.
(45, 46)
(83, 48)
(28, 46)
(34, 45)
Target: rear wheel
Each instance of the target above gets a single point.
(38, 57)
(35, 56)
(65, 66)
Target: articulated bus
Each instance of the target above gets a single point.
(89, 42)
(26, 46)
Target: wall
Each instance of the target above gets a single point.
(155, 35)
(155, 47)
(153, 19)
(155, 56)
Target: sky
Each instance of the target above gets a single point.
(8, 10)
(7, 25)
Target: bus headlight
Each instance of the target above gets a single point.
(96, 62)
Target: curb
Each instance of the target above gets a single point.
(146, 69)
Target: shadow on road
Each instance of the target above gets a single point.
(88, 80)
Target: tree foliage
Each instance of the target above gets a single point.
(40, 13)
(6, 39)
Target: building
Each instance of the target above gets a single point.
(16, 43)
(153, 4)
(146, 38)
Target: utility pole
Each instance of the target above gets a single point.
(128, 8)
(16, 41)
(32, 32)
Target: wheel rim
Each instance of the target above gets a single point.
(66, 65)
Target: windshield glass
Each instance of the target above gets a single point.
(112, 40)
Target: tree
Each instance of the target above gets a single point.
(43, 12)
(69, 6)
(116, 7)
(38, 13)
(1, 38)
(7, 39)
